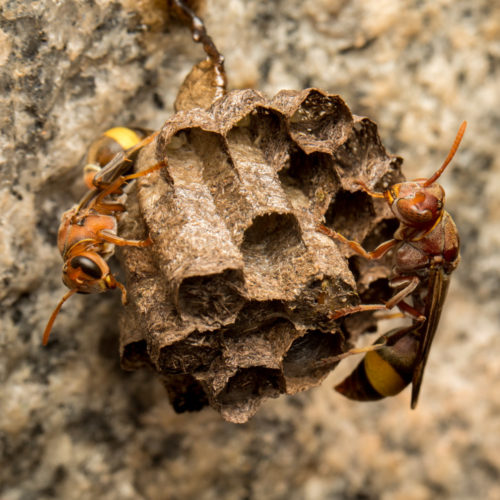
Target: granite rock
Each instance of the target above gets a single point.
(72, 423)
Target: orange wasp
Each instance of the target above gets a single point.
(87, 234)
(88, 231)
(426, 252)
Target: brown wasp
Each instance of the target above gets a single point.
(88, 231)
(426, 252)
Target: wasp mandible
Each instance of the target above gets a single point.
(426, 252)
(88, 231)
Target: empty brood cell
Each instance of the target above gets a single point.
(230, 305)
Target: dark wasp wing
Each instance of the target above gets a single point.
(109, 173)
(437, 289)
(122, 162)
(119, 165)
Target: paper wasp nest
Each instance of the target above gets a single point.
(230, 304)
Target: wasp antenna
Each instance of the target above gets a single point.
(48, 328)
(451, 154)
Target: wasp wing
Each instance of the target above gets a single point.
(437, 289)
(119, 165)
(122, 162)
(116, 167)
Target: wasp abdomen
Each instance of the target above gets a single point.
(357, 386)
(383, 372)
(113, 141)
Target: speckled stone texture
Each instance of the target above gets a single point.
(72, 424)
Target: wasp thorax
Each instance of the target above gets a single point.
(414, 204)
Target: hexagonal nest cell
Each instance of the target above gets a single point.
(230, 304)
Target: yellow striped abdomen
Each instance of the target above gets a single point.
(383, 372)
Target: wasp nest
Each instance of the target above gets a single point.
(230, 305)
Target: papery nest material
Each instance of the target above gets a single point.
(230, 304)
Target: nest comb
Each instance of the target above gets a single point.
(230, 304)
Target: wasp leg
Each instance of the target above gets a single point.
(410, 312)
(396, 300)
(112, 282)
(107, 208)
(115, 188)
(411, 283)
(368, 191)
(147, 171)
(381, 342)
(351, 352)
(368, 348)
(389, 315)
(123, 242)
(379, 252)
(339, 313)
(123, 290)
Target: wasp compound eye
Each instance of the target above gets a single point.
(87, 265)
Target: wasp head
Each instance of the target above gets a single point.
(87, 272)
(416, 204)
(420, 203)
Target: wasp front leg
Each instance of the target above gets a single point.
(123, 242)
(378, 253)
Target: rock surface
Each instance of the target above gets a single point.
(72, 423)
